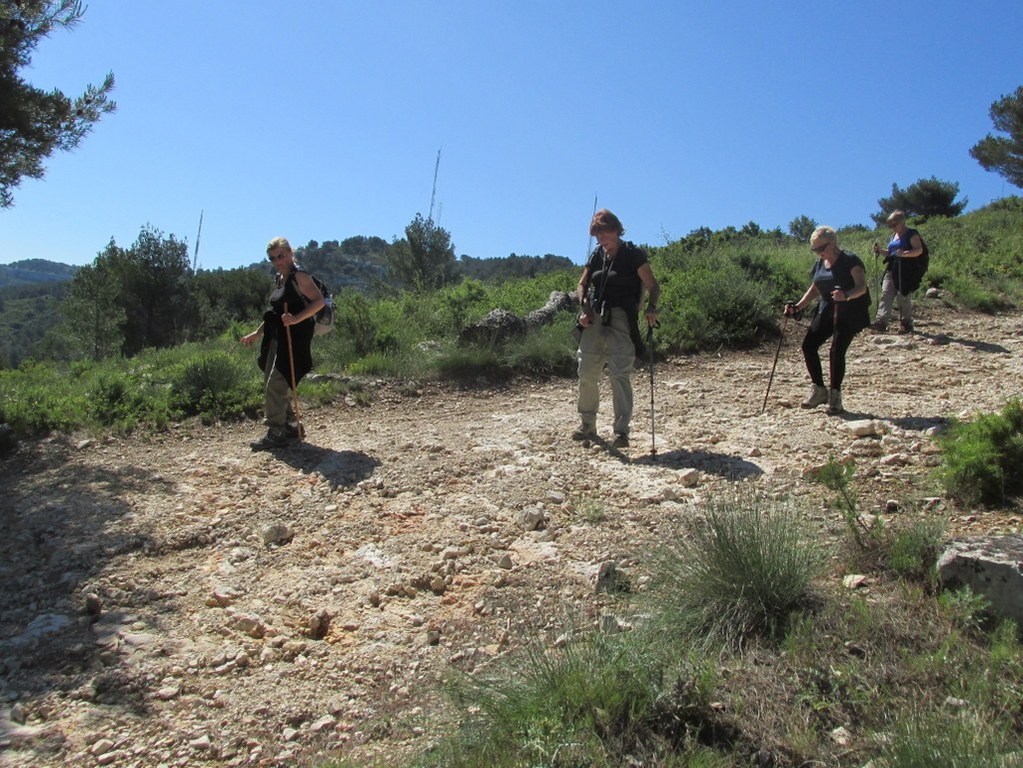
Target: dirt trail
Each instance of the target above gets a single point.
(178, 600)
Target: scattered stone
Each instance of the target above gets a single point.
(249, 624)
(531, 519)
(611, 579)
(93, 604)
(168, 692)
(41, 626)
(319, 624)
(277, 534)
(223, 596)
(854, 581)
(689, 477)
(101, 747)
(864, 427)
(841, 736)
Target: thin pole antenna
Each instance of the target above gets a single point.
(195, 255)
(433, 194)
(589, 239)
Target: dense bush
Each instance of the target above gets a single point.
(214, 385)
(981, 459)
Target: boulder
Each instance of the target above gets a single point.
(991, 566)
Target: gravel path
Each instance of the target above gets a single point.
(177, 600)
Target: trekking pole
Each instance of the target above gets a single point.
(650, 352)
(294, 384)
(781, 339)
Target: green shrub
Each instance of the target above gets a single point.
(713, 304)
(215, 385)
(912, 551)
(584, 704)
(116, 400)
(37, 399)
(549, 351)
(743, 571)
(981, 459)
(474, 365)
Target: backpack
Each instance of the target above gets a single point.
(925, 257)
(911, 271)
(325, 317)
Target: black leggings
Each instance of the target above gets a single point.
(819, 331)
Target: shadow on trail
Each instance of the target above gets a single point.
(910, 423)
(56, 543)
(941, 339)
(342, 469)
(721, 464)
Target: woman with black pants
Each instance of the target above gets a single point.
(839, 282)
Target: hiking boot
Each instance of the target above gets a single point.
(879, 326)
(835, 402)
(272, 439)
(585, 432)
(621, 440)
(294, 431)
(818, 396)
(905, 327)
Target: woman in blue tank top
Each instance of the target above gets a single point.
(901, 276)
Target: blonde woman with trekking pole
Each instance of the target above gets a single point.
(285, 353)
(839, 283)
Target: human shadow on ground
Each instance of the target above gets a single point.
(342, 469)
(941, 339)
(721, 464)
(910, 423)
(69, 533)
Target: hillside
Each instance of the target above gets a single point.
(179, 600)
(30, 271)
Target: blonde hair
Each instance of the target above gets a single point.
(824, 233)
(279, 242)
(896, 217)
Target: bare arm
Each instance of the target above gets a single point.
(653, 290)
(313, 297)
(859, 287)
(916, 248)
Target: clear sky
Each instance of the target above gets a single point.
(321, 120)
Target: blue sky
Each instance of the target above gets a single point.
(323, 119)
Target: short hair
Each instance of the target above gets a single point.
(896, 217)
(605, 221)
(278, 242)
(824, 233)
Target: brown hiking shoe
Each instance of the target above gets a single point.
(818, 396)
(835, 402)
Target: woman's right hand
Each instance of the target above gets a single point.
(584, 319)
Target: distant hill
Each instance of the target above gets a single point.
(513, 266)
(31, 271)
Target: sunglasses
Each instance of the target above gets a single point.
(820, 248)
(276, 257)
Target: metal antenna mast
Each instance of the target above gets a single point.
(433, 194)
(195, 255)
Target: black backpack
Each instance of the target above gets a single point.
(325, 317)
(925, 257)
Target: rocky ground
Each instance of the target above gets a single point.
(177, 600)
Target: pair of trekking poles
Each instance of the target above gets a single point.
(781, 341)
